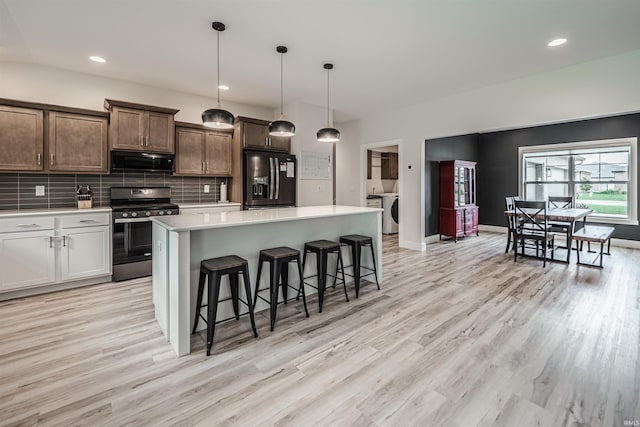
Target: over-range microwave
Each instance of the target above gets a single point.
(143, 162)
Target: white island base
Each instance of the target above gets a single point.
(180, 243)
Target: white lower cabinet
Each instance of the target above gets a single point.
(27, 259)
(86, 252)
(59, 249)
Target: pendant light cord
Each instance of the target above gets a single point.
(281, 86)
(218, 87)
(328, 124)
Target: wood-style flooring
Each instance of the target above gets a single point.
(458, 336)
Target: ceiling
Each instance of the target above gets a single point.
(387, 53)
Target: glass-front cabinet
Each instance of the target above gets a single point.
(458, 209)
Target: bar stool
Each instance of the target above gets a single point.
(356, 242)
(215, 268)
(322, 248)
(279, 259)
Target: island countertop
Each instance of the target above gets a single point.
(182, 242)
(257, 216)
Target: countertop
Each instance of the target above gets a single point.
(206, 205)
(55, 211)
(259, 216)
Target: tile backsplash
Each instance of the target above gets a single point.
(17, 190)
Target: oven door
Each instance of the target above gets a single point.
(131, 240)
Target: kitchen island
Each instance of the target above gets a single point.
(181, 242)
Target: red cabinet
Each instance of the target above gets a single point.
(458, 209)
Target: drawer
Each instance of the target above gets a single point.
(26, 223)
(84, 220)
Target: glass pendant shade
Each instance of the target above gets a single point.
(217, 118)
(282, 128)
(328, 135)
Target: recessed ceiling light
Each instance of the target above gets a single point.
(223, 87)
(556, 42)
(99, 59)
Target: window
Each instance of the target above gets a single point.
(600, 175)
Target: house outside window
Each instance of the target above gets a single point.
(600, 175)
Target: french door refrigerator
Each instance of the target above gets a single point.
(269, 179)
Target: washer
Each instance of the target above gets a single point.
(390, 214)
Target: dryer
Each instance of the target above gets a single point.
(390, 214)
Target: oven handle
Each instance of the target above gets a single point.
(128, 220)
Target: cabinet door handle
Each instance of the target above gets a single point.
(50, 242)
(244, 139)
(39, 159)
(202, 166)
(142, 140)
(51, 159)
(146, 140)
(266, 141)
(64, 241)
(206, 166)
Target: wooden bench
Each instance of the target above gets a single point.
(596, 234)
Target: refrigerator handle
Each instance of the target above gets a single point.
(277, 167)
(271, 178)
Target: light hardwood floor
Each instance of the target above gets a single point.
(458, 336)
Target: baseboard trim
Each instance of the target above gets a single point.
(621, 243)
(434, 238)
(54, 288)
(414, 246)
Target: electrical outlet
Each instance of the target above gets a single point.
(39, 190)
(207, 188)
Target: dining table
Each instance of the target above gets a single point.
(568, 215)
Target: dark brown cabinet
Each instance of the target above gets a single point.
(458, 209)
(203, 152)
(21, 139)
(389, 166)
(77, 143)
(136, 127)
(254, 134)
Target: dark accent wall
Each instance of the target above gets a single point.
(498, 159)
(463, 147)
(17, 190)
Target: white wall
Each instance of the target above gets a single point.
(36, 83)
(308, 119)
(602, 87)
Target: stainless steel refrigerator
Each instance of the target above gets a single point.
(269, 179)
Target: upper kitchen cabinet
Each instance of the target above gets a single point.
(21, 139)
(77, 143)
(201, 151)
(254, 134)
(389, 166)
(136, 127)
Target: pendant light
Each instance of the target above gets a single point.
(281, 127)
(217, 117)
(328, 134)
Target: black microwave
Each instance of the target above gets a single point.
(143, 162)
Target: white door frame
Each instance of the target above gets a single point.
(363, 170)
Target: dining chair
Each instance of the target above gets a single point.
(532, 225)
(561, 202)
(511, 223)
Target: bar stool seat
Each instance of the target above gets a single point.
(322, 248)
(279, 259)
(357, 242)
(215, 268)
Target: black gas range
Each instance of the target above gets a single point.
(132, 209)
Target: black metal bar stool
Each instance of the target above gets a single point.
(356, 242)
(279, 259)
(322, 248)
(215, 268)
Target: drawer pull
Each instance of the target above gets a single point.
(28, 225)
(88, 221)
